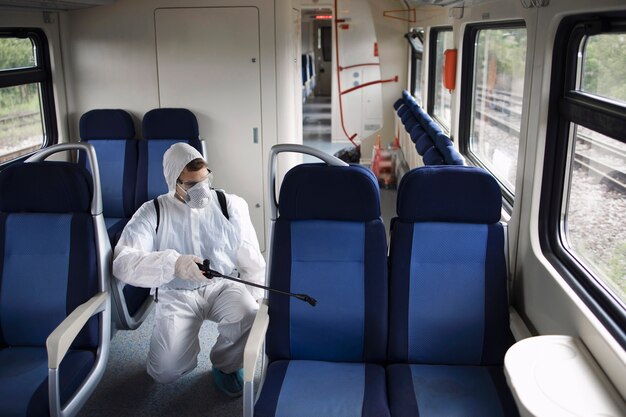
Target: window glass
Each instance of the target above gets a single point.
(22, 79)
(497, 88)
(21, 128)
(442, 97)
(595, 209)
(604, 66)
(16, 53)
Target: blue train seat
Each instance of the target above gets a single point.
(449, 319)
(112, 134)
(329, 242)
(431, 143)
(55, 313)
(161, 129)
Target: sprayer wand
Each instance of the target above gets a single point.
(211, 273)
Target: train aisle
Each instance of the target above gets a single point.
(126, 390)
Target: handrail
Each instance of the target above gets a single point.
(292, 147)
(390, 80)
(358, 65)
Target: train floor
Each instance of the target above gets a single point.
(126, 390)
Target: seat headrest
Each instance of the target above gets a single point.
(170, 124)
(457, 194)
(318, 191)
(45, 187)
(106, 124)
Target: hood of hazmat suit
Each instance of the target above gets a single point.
(174, 161)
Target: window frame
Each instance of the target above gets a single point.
(467, 94)
(40, 74)
(416, 53)
(570, 106)
(432, 72)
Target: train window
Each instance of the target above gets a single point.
(494, 100)
(26, 110)
(584, 193)
(439, 98)
(597, 179)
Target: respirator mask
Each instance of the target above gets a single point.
(199, 194)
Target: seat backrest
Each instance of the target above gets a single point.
(112, 134)
(161, 129)
(329, 242)
(48, 255)
(448, 291)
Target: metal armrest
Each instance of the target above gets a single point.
(62, 337)
(251, 355)
(255, 342)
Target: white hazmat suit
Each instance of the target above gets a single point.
(147, 258)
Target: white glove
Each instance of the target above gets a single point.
(186, 268)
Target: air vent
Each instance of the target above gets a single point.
(52, 4)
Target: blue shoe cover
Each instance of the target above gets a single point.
(229, 384)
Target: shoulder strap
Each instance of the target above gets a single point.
(158, 212)
(221, 198)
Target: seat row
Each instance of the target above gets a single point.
(131, 169)
(421, 332)
(431, 143)
(131, 173)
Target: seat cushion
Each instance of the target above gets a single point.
(24, 379)
(441, 390)
(329, 389)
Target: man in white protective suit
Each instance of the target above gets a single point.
(163, 254)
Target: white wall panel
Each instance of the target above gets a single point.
(211, 67)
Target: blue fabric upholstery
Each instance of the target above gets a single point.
(305, 193)
(112, 133)
(312, 388)
(101, 124)
(433, 157)
(330, 243)
(170, 123)
(24, 379)
(440, 390)
(47, 240)
(36, 188)
(448, 345)
(454, 194)
(161, 129)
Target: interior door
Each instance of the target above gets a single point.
(208, 62)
